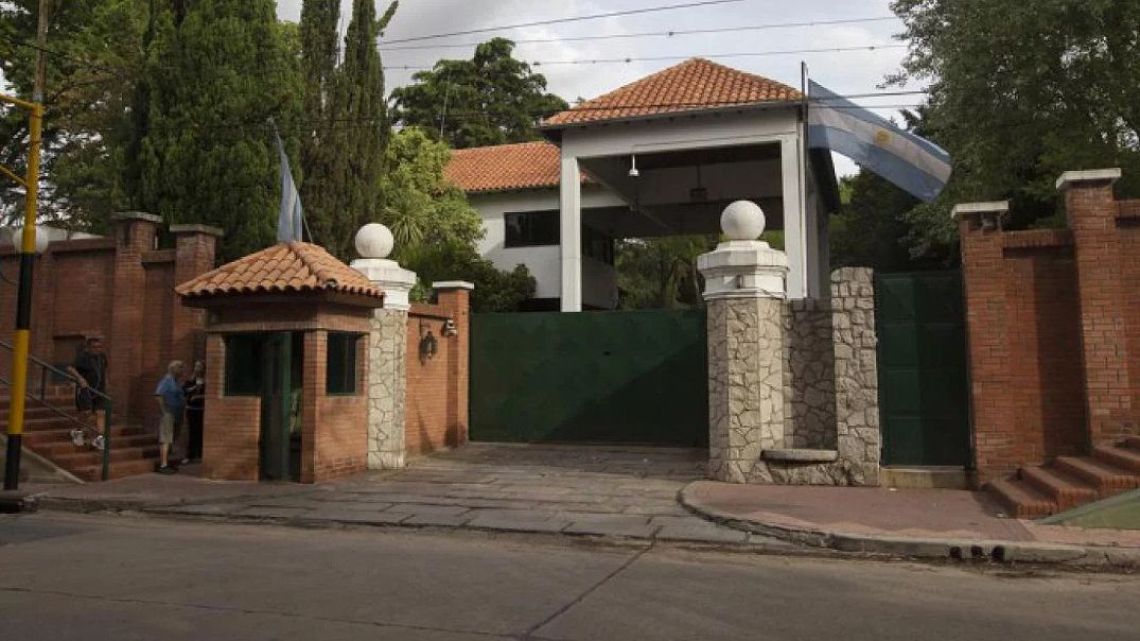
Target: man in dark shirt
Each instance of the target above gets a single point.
(90, 373)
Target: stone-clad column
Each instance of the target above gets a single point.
(387, 347)
(744, 289)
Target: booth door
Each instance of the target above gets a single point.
(277, 407)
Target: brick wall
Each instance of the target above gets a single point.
(121, 288)
(1054, 331)
(231, 427)
(437, 388)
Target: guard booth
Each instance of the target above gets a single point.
(286, 366)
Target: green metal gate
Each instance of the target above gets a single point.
(923, 375)
(602, 377)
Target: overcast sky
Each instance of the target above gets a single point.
(846, 73)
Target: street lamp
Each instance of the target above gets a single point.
(19, 388)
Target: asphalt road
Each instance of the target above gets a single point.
(64, 577)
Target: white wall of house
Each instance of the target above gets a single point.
(599, 281)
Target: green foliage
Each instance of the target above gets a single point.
(436, 229)
(495, 290)
(488, 100)
(1022, 91)
(91, 77)
(870, 230)
(421, 208)
(661, 273)
(214, 78)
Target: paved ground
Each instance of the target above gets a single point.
(601, 491)
(919, 514)
(81, 577)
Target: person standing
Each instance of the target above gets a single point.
(194, 389)
(90, 373)
(172, 404)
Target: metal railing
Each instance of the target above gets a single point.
(46, 369)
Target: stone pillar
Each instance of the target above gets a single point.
(859, 435)
(1092, 210)
(387, 347)
(744, 289)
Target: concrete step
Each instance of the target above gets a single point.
(60, 447)
(1130, 443)
(1066, 491)
(1021, 499)
(1106, 478)
(1123, 458)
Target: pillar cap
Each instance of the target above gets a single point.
(124, 216)
(197, 229)
(991, 207)
(453, 284)
(1074, 178)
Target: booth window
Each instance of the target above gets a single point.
(531, 228)
(243, 365)
(341, 367)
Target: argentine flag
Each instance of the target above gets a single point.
(909, 161)
(290, 217)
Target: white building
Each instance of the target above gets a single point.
(662, 156)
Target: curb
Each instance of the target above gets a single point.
(958, 550)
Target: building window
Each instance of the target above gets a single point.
(531, 228)
(597, 245)
(341, 367)
(243, 365)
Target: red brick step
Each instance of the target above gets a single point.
(1125, 458)
(1106, 478)
(1021, 499)
(1065, 491)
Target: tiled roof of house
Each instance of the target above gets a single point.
(282, 268)
(525, 165)
(693, 85)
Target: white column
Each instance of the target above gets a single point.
(571, 235)
(795, 233)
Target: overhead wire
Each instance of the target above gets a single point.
(384, 48)
(552, 21)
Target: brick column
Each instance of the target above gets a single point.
(993, 422)
(387, 362)
(135, 233)
(744, 288)
(455, 299)
(1092, 211)
(194, 250)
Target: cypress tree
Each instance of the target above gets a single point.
(319, 191)
(217, 70)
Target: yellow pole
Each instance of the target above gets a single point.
(24, 304)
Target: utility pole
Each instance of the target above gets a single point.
(21, 345)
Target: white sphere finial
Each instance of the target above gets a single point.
(742, 220)
(374, 241)
(41, 239)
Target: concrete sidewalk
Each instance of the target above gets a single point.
(944, 524)
(609, 492)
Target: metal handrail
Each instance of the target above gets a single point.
(42, 400)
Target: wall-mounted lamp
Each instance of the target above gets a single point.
(633, 172)
(429, 346)
(449, 329)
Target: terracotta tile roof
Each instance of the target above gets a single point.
(282, 268)
(526, 165)
(693, 85)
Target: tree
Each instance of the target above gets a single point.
(488, 100)
(319, 156)
(95, 56)
(216, 73)
(1020, 92)
(661, 273)
(350, 181)
(435, 227)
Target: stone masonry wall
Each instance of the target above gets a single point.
(856, 375)
(387, 385)
(746, 382)
(809, 381)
